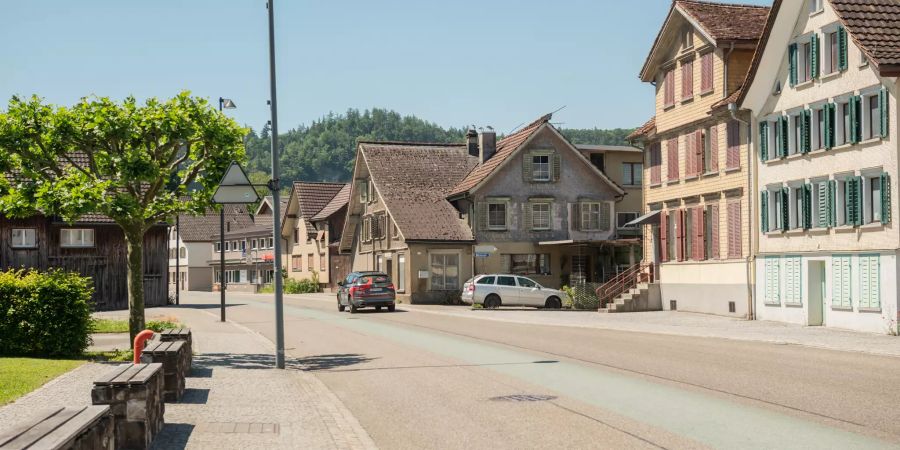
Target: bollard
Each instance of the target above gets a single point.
(139, 341)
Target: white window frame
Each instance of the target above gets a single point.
(587, 213)
(545, 214)
(774, 205)
(871, 201)
(795, 210)
(83, 234)
(444, 286)
(27, 238)
(804, 59)
(814, 203)
(540, 171)
(816, 129)
(842, 120)
(827, 33)
(840, 202)
(795, 133)
(401, 272)
(773, 133)
(637, 175)
(815, 6)
(871, 127)
(863, 59)
(505, 205)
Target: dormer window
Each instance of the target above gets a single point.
(687, 38)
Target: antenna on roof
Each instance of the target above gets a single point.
(560, 109)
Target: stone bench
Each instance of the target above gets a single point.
(171, 356)
(82, 428)
(134, 393)
(184, 335)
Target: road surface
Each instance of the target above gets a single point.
(422, 380)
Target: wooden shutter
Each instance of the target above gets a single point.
(656, 163)
(482, 213)
(714, 230)
(669, 88)
(557, 163)
(785, 209)
(828, 111)
(807, 206)
(605, 216)
(842, 48)
(855, 119)
(869, 282)
(733, 153)
(832, 200)
(698, 152)
(822, 216)
(679, 234)
(763, 141)
(792, 63)
(672, 158)
(527, 170)
(840, 277)
(785, 126)
(734, 229)
(806, 117)
(689, 155)
(663, 236)
(687, 80)
(773, 287)
(764, 211)
(575, 219)
(529, 216)
(706, 72)
(814, 51)
(883, 111)
(854, 199)
(714, 148)
(885, 180)
(701, 233)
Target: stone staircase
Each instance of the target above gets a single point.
(632, 300)
(629, 291)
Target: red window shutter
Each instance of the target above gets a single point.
(714, 230)
(733, 154)
(656, 163)
(698, 152)
(734, 229)
(714, 148)
(687, 80)
(663, 236)
(706, 72)
(679, 235)
(672, 161)
(669, 88)
(690, 155)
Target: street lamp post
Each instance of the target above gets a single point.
(224, 103)
(275, 188)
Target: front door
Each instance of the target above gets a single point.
(816, 289)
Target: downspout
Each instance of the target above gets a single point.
(751, 186)
(725, 57)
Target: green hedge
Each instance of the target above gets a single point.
(44, 313)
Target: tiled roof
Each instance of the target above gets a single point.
(647, 127)
(312, 197)
(339, 201)
(505, 148)
(727, 21)
(730, 99)
(205, 227)
(874, 25)
(414, 181)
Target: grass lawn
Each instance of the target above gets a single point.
(19, 376)
(121, 326)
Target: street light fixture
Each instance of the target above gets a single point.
(226, 103)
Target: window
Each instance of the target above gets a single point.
(733, 153)
(869, 283)
(687, 80)
(655, 163)
(671, 231)
(842, 130)
(254, 246)
(182, 252)
(590, 216)
(632, 174)
(863, 59)
(540, 216)
(227, 246)
(876, 205)
(840, 282)
(772, 282)
(817, 131)
(444, 271)
(486, 280)
(363, 187)
(819, 204)
(706, 73)
(24, 238)
(526, 283)
(271, 242)
(669, 88)
(672, 158)
(244, 245)
(623, 218)
(795, 210)
(815, 6)
(710, 160)
(796, 136)
(296, 236)
(506, 281)
(775, 209)
(687, 38)
(497, 216)
(401, 272)
(322, 264)
(805, 63)
(296, 263)
(309, 263)
(528, 264)
(599, 161)
(540, 166)
(689, 234)
(871, 117)
(75, 237)
(366, 229)
(711, 231)
(777, 88)
(792, 285)
(218, 247)
(842, 216)
(835, 49)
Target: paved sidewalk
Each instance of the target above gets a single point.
(671, 322)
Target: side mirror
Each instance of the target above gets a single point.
(341, 283)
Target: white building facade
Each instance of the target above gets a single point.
(825, 129)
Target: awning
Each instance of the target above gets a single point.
(651, 218)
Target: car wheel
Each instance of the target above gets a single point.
(340, 306)
(553, 303)
(492, 301)
(353, 308)
(391, 308)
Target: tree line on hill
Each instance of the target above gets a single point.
(325, 150)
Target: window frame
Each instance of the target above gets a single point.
(82, 231)
(621, 213)
(24, 242)
(637, 175)
(549, 213)
(535, 165)
(585, 208)
(444, 285)
(495, 204)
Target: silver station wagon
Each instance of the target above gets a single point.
(495, 290)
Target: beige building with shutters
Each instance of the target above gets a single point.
(823, 94)
(696, 165)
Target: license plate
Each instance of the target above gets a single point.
(375, 290)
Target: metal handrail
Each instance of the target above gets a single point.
(623, 282)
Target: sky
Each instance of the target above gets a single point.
(456, 63)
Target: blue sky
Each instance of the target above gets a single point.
(496, 63)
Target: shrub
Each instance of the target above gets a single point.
(308, 286)
(584, 296)
(44, 313)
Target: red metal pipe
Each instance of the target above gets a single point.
(139, 341)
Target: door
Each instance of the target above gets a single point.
(508, 290)
(816, 289)
(529, 292)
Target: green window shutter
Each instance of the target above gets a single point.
(884, 112)
(482, 212)
(773, 287)
(785, 209)
(822, 216)
(842, 48)
(764, 211)
(832, 210)
(807, 206)
(814, 50)
(556, 165)
(763, 141)
(527, 172)
(529, 216)
(885, 198)
(855, 119)
(792, 63)
(840, 281)
(604, 216)
(854, 199)
(784, 137)
(869, 282)
(805, 126)
(828, 110)
(575, 219)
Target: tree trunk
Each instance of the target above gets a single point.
(135, 240)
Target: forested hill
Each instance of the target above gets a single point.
(324, 150)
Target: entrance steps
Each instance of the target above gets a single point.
(632, 300)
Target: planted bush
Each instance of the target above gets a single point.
(44, 313)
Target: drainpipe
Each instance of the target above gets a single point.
(725, 66)
(751, 186)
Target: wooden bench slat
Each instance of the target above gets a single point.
(8, 435)
(75, 426)
(112, 374)
(42, 428)
(147, 371)
(126, 376)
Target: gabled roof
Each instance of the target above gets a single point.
(874, 26)
(339, 201)
(505, 148)
(720, 23)
(204, 227)
(413, 180)
(313, 196)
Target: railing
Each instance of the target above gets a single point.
(623, 282)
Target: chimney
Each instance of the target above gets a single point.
(487, 144)
(472, 142)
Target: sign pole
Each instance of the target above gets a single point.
(222, 260)
(276, 197)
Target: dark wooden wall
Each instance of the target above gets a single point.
(105, 263)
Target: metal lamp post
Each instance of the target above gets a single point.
(274, 186)
(224, 103)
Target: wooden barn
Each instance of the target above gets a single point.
(93, 246)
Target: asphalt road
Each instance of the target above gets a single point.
(419, 380)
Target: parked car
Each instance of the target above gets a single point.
(365, 290)
(494, 290)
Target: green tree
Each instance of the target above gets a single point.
(131, 162)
